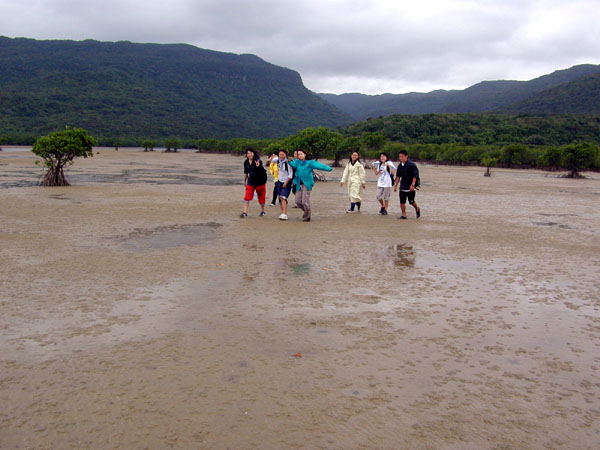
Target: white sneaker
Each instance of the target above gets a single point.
(283, 217)
(349, 211)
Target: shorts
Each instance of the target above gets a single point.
(284, 192)
(407, 195)
(261, 192)
(383, 193)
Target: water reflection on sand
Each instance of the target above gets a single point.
(140, 315)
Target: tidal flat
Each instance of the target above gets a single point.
(139, 311)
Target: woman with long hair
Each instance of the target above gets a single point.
(255, 179)
(354, 176)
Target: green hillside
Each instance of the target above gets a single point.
(581, 96)
(487, 96)
(125, 92)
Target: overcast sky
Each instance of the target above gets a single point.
(341, 46)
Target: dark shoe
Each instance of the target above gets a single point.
(381, 210)
(242, 215)
(262, 214)
(403, 217)
(384, 211)
(418, 213)
(306, 220)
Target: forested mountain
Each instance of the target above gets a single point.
(581, 96)
(125, 91)
(487, 96)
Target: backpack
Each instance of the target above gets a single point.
(261, 175)
(390, 172)
(418, 182)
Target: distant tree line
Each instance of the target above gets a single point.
(548, 142)
(329, 144)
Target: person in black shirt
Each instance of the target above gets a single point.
(407, 175)
(255, 179)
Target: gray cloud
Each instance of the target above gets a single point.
(343, 45)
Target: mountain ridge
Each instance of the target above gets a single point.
(485, 96)
(127, 90)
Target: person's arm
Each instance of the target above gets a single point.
(344, 175)
(376, 167)
(362, 175)
(396, 182)
(415, 172)
(320, 166)
(290, 176)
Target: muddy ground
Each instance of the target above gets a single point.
(139, 311)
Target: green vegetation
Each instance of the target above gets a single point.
(334, 145)
(126, 92)
(149, 145)
(483, 129)
(180, 96)
(581, 96)
(488, 162)
(577, 157)
(172, 145)
(60, 149)
(570, 91)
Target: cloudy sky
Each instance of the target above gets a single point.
(342, 46)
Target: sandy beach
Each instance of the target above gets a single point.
(139, 311)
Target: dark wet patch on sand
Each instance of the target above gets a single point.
(553, 224)
(171, 236)
(157, 176)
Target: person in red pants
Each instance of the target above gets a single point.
(255, 180)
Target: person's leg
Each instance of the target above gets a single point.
(300, 197)
(261, 193)
(380, 199)
(305, 202)
(411, 200)
(307, 209)
(403, 196)
(299, 201)
(283, 201)
(386, 199)
(276, 191)
(249, 193)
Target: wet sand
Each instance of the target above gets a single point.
(139, 311)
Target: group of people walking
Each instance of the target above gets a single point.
(296, 175)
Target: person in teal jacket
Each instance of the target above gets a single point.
(304, 180)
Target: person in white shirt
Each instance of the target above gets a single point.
(285, 177)
(385, 170)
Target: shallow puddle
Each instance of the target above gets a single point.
(173, 236)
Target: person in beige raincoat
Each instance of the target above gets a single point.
(354, 176)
